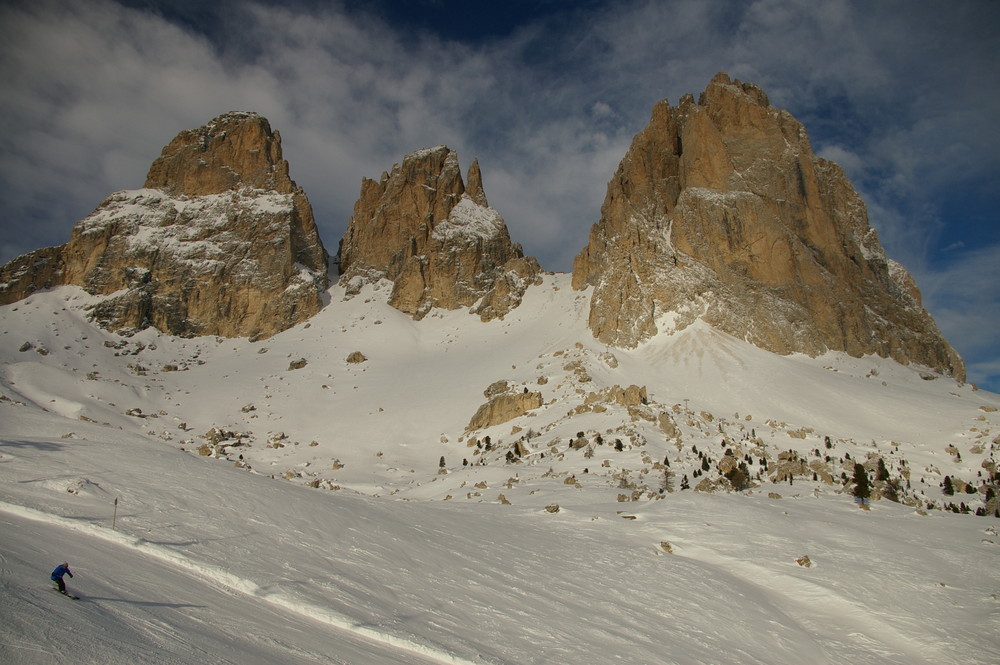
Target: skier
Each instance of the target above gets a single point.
(57, 576)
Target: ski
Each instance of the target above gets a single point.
(67, 594)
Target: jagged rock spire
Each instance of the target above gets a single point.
(236, 150)
(438, 242)
(474, 188)
(221, 241)
(721, 211)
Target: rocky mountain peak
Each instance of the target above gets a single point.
(220, 242)
(474, 186)
(236, 150)
(436, 240)
(720, 211)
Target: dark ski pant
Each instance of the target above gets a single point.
(62, 585)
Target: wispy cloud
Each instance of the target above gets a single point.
(965, 298)
(903, 94)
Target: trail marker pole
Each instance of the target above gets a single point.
(114, 517)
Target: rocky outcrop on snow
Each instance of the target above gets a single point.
(220, 241)
(721, 211)
(633, 398)
(503, 407)
(437, 240)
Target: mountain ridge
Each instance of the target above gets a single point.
(384, 484)
(719, 211)
(220, 242)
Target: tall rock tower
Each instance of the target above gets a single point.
(721, 211)
(438, 242)
(219, 242)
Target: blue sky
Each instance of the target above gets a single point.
(546, 94)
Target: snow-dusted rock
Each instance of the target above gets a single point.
(220, 242)
(438, 242)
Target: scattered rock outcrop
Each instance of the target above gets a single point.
(221, 241)
(437, 240)
(632, 396)
(356, 358)
(721, 211)
(502, 407)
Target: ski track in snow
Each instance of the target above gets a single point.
(406, 564)
(160, 633)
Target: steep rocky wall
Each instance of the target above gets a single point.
(220, 242)
(721, 211)
(438, 242)
(234, 151)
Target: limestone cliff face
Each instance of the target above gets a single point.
(234, 151)
(219, 242)
(721, 211)
(438, 241)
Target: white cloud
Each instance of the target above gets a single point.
(902, 94)
(965, 301)
(849, 161)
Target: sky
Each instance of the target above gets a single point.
(546, 94)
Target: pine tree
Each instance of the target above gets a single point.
(862, 490)
(739, 478)
(882, 473)
(947, 487)
(668, 481)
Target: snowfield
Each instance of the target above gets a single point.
(272, 510)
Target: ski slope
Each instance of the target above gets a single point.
(291, 580)
(139, 608)
(389, 558)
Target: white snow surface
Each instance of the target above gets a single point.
(390, 559)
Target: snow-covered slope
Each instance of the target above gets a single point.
(574, 549)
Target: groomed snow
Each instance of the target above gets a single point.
(212, 562)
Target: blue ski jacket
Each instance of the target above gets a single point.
(60, 571)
